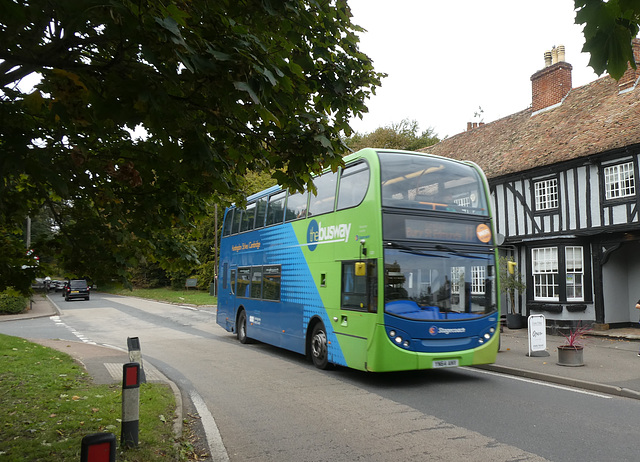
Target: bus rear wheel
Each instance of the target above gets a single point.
(242, 328)
(319, 347)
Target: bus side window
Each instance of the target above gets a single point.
(354, 183)
(261, 211)
(228, 223)
(275, 209)
(324, 200)
(237, 219)
(232, 282)
(256, 282)
(271, 282)
(244, 282)
(248, 218)
(296, 206)
(225, 276)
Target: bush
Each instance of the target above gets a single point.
(12, 302)
(206, 274)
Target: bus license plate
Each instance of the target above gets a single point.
(445, 363)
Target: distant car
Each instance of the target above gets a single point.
(57, 285)
(76, 288)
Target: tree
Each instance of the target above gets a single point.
(609, 27)
(402, 135)
(511, 281)
(217, 88)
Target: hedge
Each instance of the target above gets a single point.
(11, 302)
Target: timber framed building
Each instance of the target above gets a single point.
(564, 181)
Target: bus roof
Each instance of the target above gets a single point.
(365, 152)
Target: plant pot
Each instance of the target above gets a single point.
(570, 355)
(515, 321)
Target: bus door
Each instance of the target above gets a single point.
(358, 308)
(230, 295)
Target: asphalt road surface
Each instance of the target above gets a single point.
(272, 405)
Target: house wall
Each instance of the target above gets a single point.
(583, 217)
(582, 206)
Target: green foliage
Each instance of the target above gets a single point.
(149, 276)
(510, 282)
(206, 275)
(403, 135)
(12, 301)
(218, 89)
(609, 27)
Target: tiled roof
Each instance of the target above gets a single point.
(592, 119)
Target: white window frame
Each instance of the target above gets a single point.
(619, 181)
(545, 271)
(574, 268)
(457, 273)
(478, 278)
(546, 194)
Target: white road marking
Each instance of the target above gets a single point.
(81, 337)
(216, 446)
(539, 382)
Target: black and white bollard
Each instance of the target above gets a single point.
(99, 447)
(130, 404)
(135, 355)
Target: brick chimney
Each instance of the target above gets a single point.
(550, 85)
(631, 76)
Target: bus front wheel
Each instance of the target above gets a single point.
(319, 349)
(242, 328)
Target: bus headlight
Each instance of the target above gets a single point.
(399, 338)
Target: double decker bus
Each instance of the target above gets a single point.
(390, 266)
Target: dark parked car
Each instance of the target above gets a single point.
(76, 288)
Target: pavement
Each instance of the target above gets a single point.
(611, 361)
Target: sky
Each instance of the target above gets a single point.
(447, 59)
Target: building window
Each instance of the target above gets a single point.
(575, 273)
(478, 278)
(546, 194)
(545, 273)
(619, 181)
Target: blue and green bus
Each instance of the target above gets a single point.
(390, 265)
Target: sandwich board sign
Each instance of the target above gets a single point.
(537, 335)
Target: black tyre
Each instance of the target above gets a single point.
(319, 347)
(241, 328)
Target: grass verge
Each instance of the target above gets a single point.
(186, 297)
(49, 404)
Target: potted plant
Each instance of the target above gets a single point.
(571, 352)
(510, 282)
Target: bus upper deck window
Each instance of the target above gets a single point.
(261, 211)
(228, 223)
(237, 219)
(354, 183)
(248, 218)
(296, 206)
(275, 208)
(324, 200)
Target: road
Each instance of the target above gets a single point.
(273, 405)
